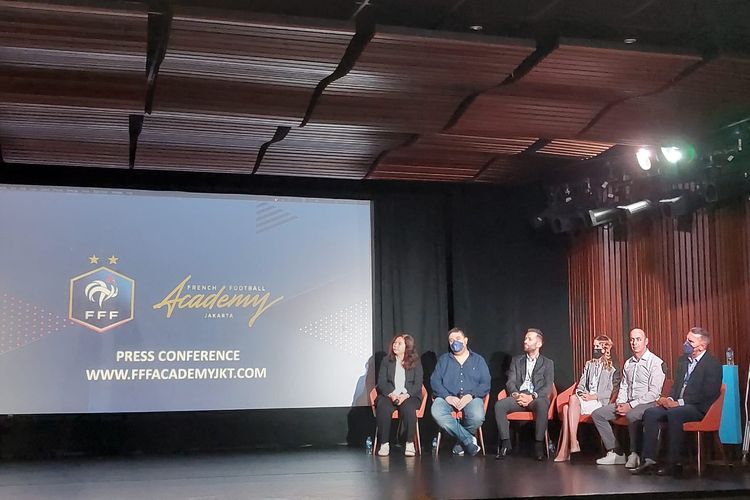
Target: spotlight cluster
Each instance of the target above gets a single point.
(673, 181)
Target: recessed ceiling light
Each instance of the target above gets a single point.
(476, 27)
(630, 40)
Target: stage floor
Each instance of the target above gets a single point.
(342, 473)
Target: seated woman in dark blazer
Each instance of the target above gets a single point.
(399, 387)
(599, 381)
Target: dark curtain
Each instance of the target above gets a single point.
(506, 279)
(467, 257)
(411, 293)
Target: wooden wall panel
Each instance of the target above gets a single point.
(664, 281)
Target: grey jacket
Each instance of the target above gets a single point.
(609, 382)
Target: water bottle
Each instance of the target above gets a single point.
(730, 356)
(434, 444)
(368, 445)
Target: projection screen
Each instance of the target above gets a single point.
(140, 301)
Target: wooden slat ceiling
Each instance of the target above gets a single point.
(458, 158)
(713, 95)
(413, 83)
(69, 79)
(568, 89)
(277, 95)
(326, 150)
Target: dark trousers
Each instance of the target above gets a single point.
(674, 418)
(407, 412)
(539, 407)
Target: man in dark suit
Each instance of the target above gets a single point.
(530, 380)
(697, 385)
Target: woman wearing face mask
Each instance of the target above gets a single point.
(399, 388)
(600, 379)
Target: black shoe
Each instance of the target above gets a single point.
(644, 469)
(670, 470)
(539, 452)
(503, 452)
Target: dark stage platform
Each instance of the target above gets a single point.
(342, 473)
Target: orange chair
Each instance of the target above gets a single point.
(394, 415)
(563, 398)
(710, 423)
(458, 415)
(527, 416)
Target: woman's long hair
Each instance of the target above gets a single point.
(606, 352)
(410, 352)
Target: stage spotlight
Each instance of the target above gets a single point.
(677, 153)
(637, 208)
(600, 216)
(680, 204)
(672, 154)
(643, 156)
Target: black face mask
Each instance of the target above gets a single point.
(597, 354)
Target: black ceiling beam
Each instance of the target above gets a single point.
(279, 135)
(365, 30)
(159, 27)
(135, 126)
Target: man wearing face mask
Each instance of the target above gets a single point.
(460, 381)
(642, 381)
(530, 380)
(697, 385)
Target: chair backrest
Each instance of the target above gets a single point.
(552, 398)
(712, 419)
(563, 398)
(420, 411)
(373, 397)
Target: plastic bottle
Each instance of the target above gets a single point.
(730, 356)
(368, 445)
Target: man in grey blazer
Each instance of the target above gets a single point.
(530, 380)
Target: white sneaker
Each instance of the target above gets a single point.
(611, 458)
(385, 450)
(633, 461)
(409, 451)
(474, 448)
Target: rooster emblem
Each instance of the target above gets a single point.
(99, 291)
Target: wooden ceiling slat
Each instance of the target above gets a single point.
(504, 115)
(324, 150)
(184, 158)
(494, 145)
(254, 50)
(65, 153)
(617, 72)
(577, 149)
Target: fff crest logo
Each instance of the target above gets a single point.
(101, 299)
